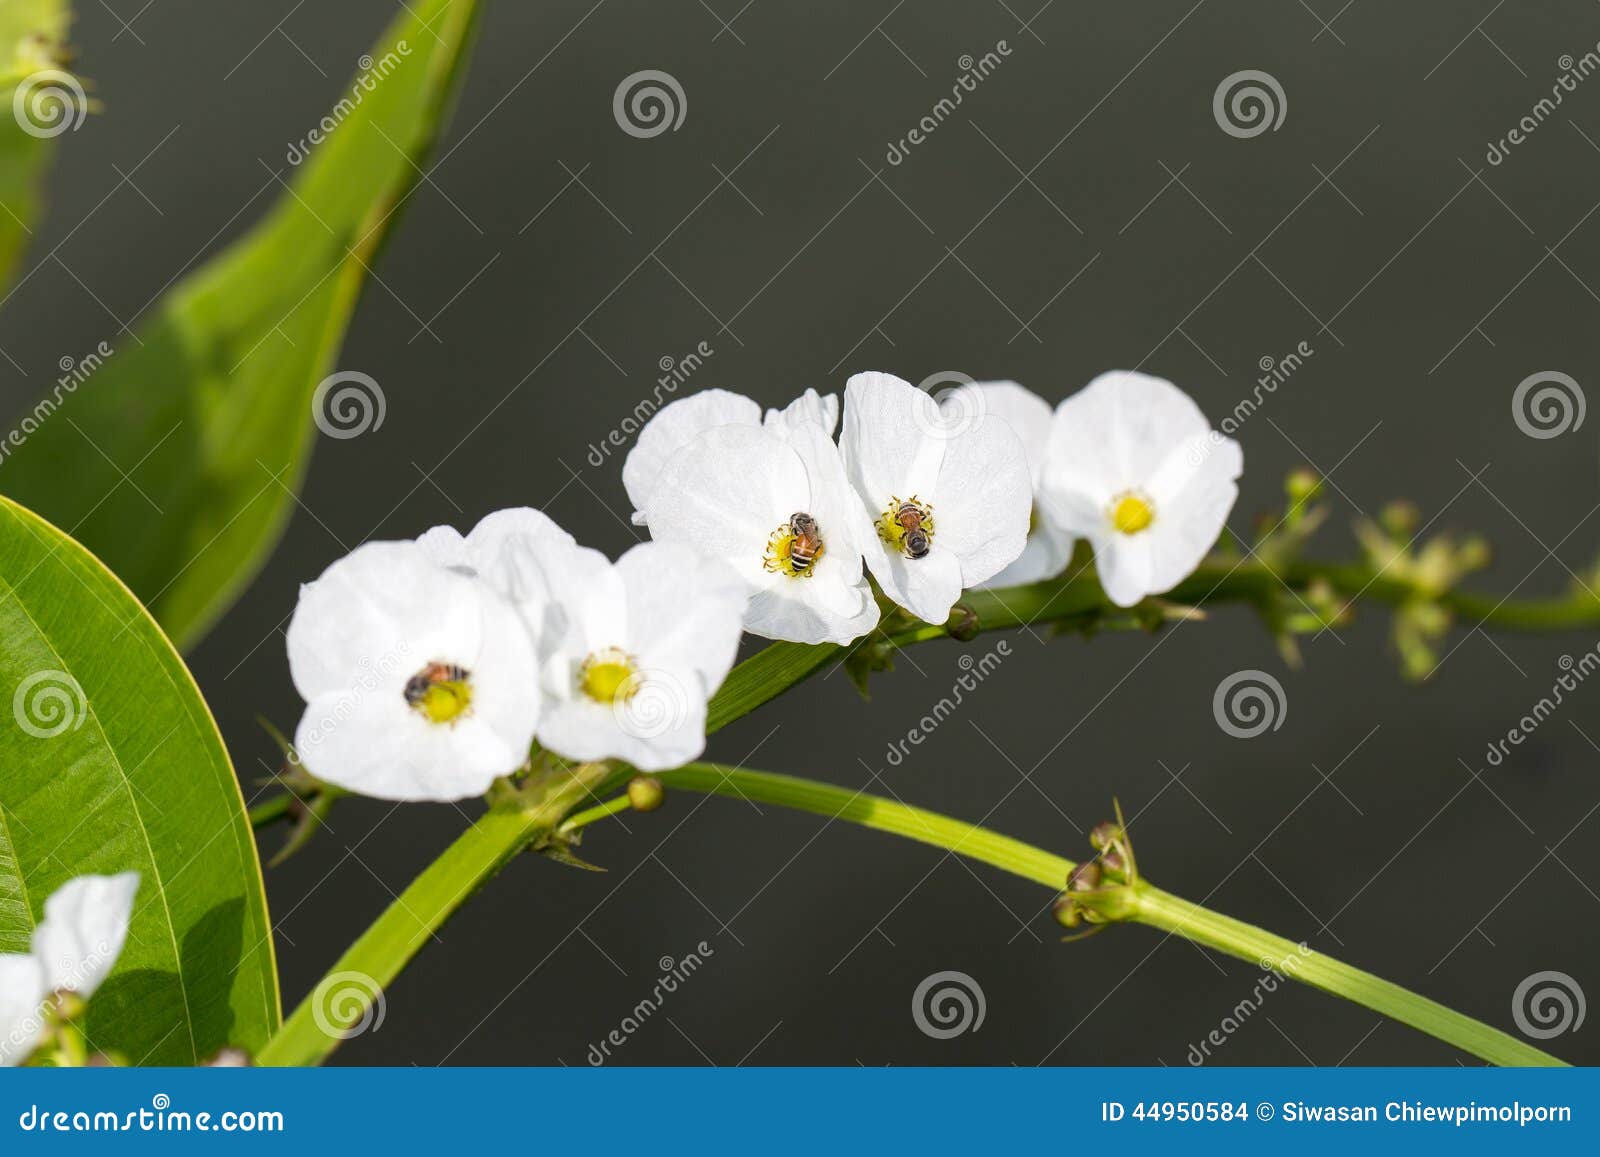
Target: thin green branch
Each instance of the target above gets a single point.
(1152, 906)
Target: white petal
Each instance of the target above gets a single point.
(726, 492)
(892, 439)
(927, 587)
(84, 926)
(982, 500)
(1112, 435)
(1193, 497)
(662, 726)
(684, 611)
(1048, 551)
(1125, 565)
(1024, 411)
(588, 604)
(823, 409)
(382, 603)
(673, 427)
(22, 994)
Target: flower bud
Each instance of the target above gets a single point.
(645, 793)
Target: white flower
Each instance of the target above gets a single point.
(679, 423)
(949, 499)
(773, 504)
(1134, 467)
(634, 650)
(420, 681)
(73, 949)
(1049, 546)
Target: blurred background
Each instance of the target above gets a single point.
(1082, 209)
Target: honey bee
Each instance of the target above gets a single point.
(914, 524)
(430, 676)
(806, 545)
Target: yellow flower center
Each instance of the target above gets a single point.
(609, 675)
(1131, 513)
(440, 692)
(907, 526)
(794, 548)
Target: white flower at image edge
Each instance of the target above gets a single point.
(949, 498)
(680, 422)
(634, 650)
(420, 682)
(1049, 547)
(74, 949)
(1135, 467)
(775, 506)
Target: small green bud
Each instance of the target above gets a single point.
(1400, 519)
(645, 793)
(1066, 911)
(963, 623)
(1085, 877)
(1103, 835)
(1302, 486)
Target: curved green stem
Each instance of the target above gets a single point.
(1153, 906)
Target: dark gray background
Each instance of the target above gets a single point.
(1428, 283)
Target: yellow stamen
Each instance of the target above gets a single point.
(609, 675)
(1131, 513)
(442, 692)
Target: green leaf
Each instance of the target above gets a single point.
(31, 55)
(177, 460)
(110, 761)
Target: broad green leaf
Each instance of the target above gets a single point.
(110, 761)
(50, 102)
(177, 460)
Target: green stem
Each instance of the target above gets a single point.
(406, 925)
(1154, 907)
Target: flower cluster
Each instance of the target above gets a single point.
(73, 950)
(430, 667)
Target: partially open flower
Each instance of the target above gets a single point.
(1049, 546)
(74, 949)
(420, 681)
(1134, 467)
(679, 423)
(634, 651)
(949, 495)
(773, 504)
